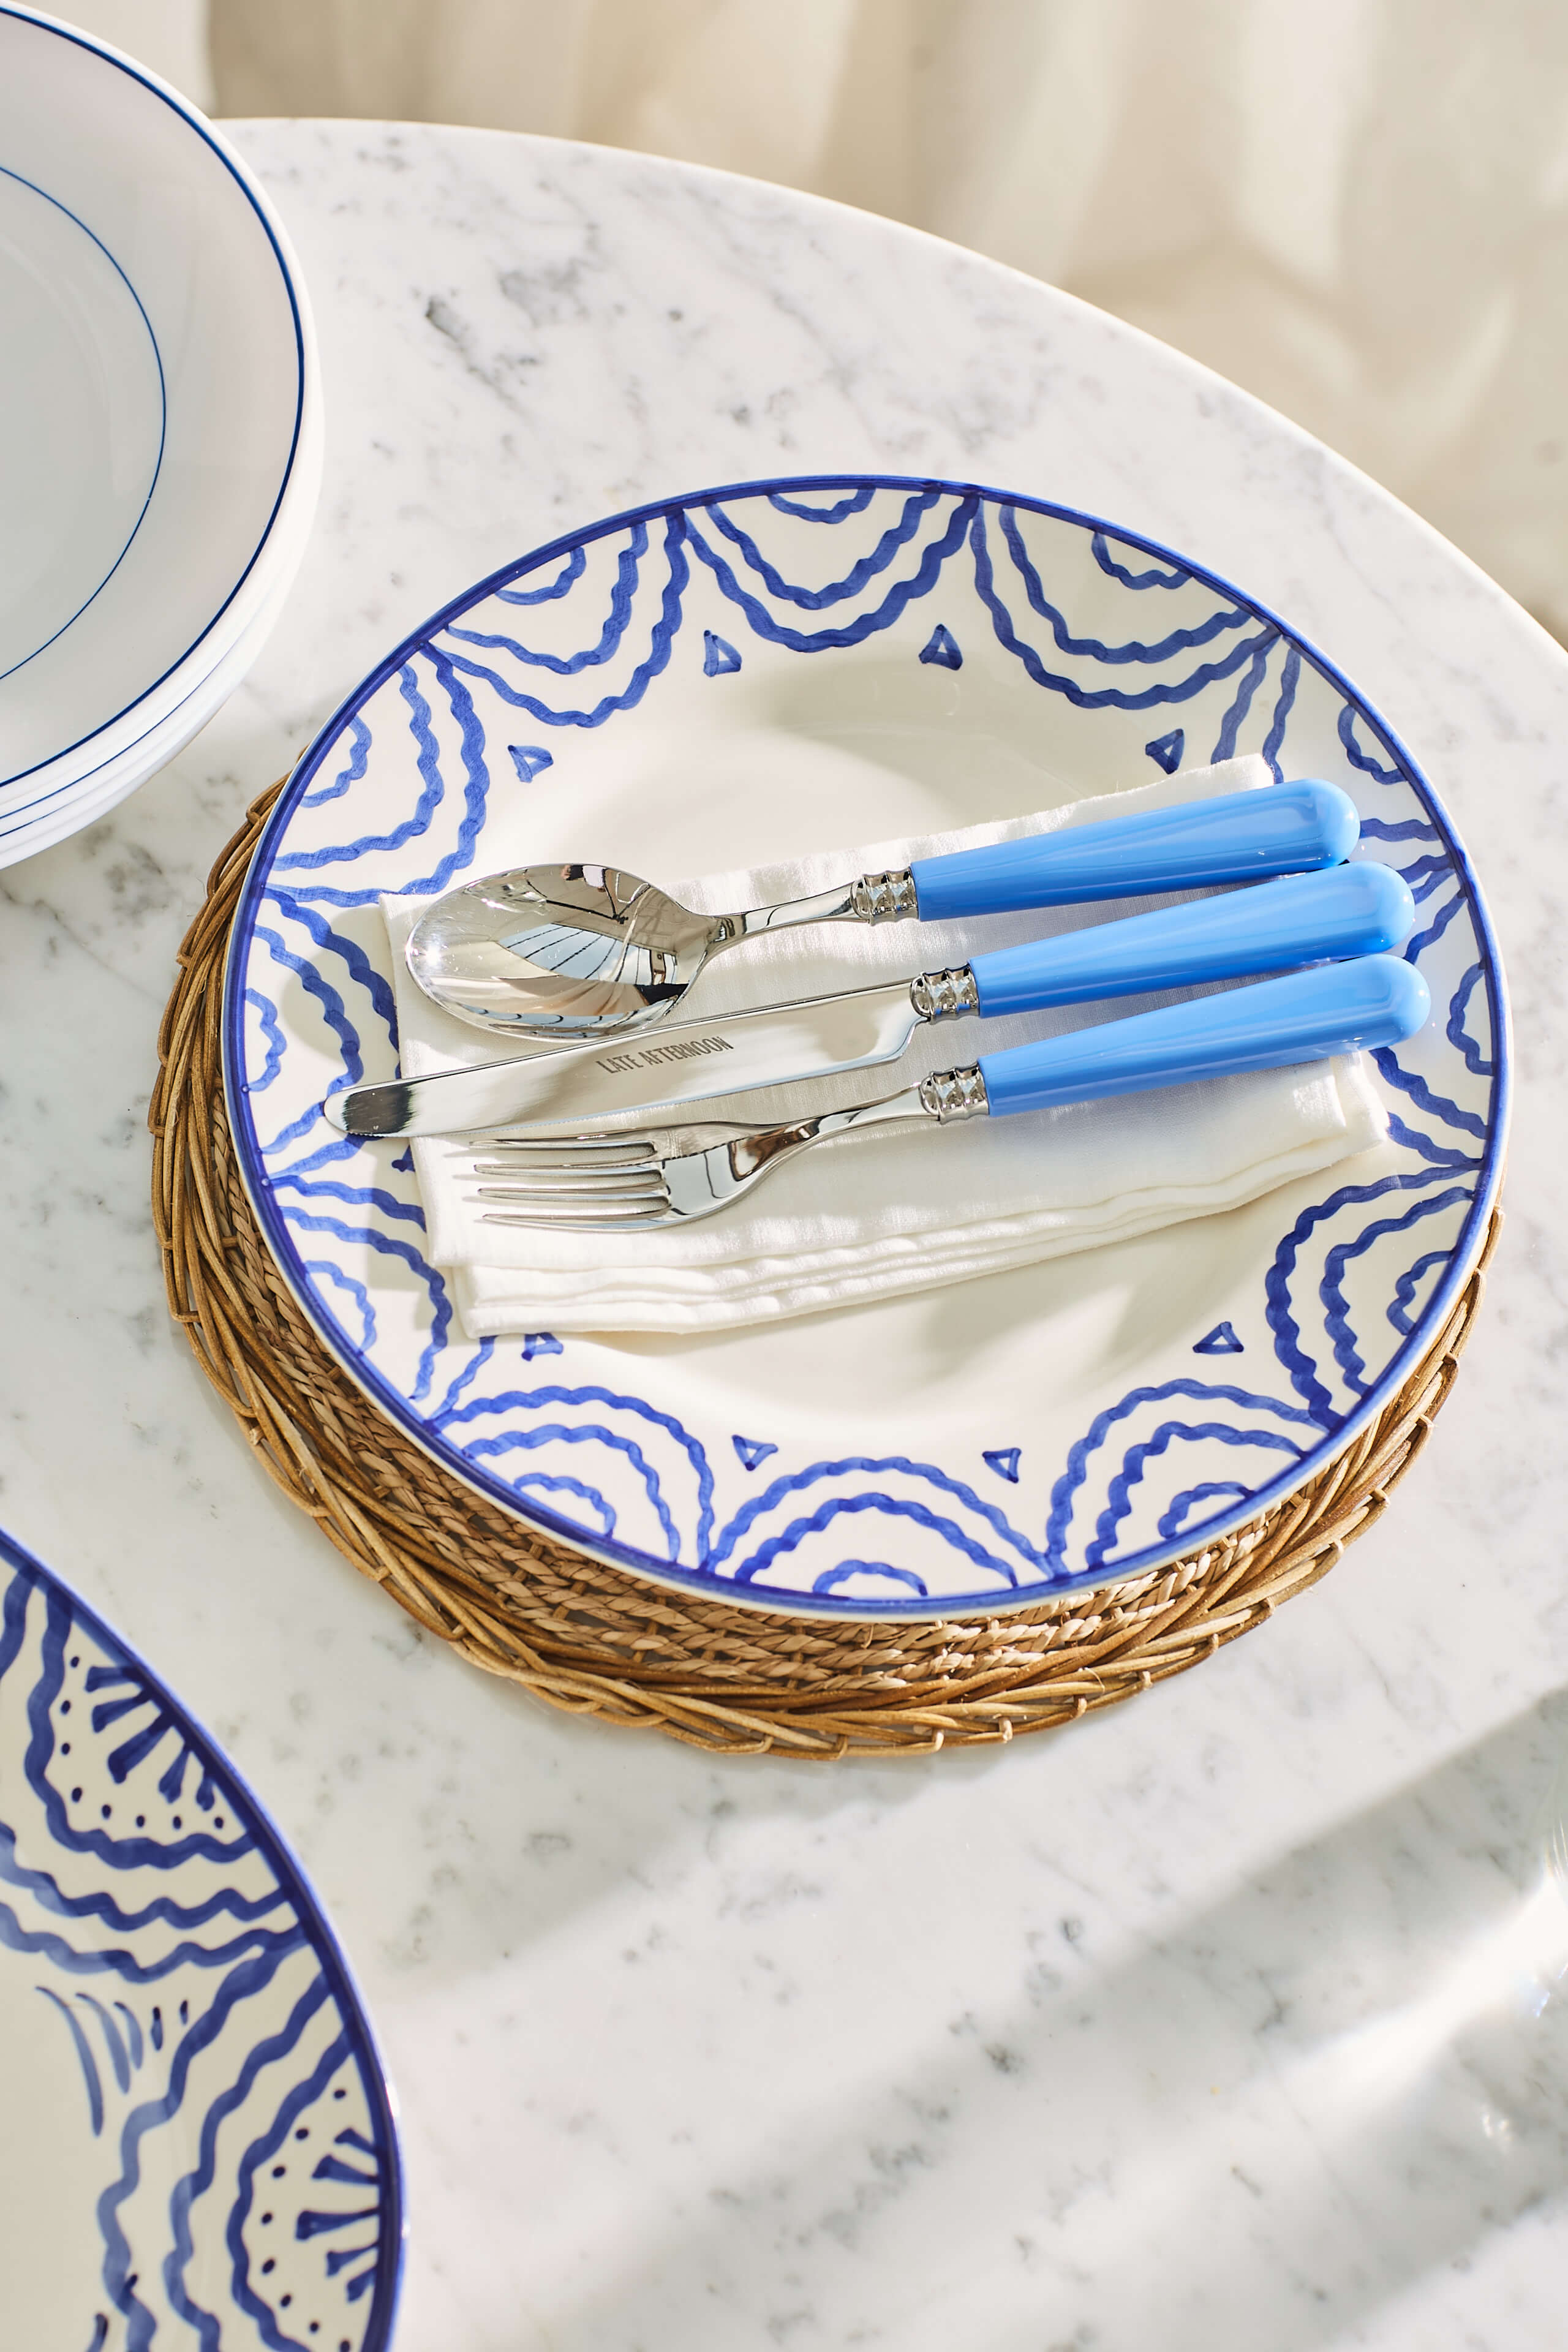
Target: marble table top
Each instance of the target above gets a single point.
(1225, 2019)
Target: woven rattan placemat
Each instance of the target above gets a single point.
(596, 1642)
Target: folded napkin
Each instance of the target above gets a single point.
(871, 1215)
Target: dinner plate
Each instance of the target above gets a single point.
(160, 413)
(747, 674)
(199, 2144)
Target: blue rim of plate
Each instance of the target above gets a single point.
(254, 199)
(219, 1775)
(279, 1240)
(163, 421)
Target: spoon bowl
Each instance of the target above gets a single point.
(576, 949)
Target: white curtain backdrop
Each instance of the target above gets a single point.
(170, 36)
(1357, 208)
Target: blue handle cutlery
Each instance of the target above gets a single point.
(1198, 844)
(1349, 911)
(646, 1123)
(678, 1167)
(558, 952)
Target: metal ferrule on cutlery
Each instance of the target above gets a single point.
(1350, 910)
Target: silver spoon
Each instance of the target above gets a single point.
(580, 951)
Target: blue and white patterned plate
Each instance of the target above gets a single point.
(198, 2145)
(748, 675)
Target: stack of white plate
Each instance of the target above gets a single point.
(160, 426)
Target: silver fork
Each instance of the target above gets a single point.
(640, 1180)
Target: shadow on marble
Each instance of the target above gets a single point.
(1342, 2078)
(595, 1817)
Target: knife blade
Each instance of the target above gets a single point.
(1349, 911)
(676, 1063)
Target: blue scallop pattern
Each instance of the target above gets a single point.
(1111, 634)
(153, 1923)
(868, 567)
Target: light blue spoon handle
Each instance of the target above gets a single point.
(1306, 1017)
(1351, 910)
(1239, 837)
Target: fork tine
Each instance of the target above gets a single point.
(542, 1171)
(608, 1213)
(594, 1148)
(593, 1171)
(553, 1187)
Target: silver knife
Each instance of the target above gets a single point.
(1348, 910)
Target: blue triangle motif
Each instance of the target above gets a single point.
(718, 656)
(941, 647)
(539, 1343)
(752, 1450)
(1004, 1462)
(1220, 1342)
(1166, 750)
(531, 759)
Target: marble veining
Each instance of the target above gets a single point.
(1225, 2021)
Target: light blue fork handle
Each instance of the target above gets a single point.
(1351, 910)
(1239, 837)
(1305, 1017)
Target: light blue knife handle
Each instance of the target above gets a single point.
(1239, 837)
(1306, 1017)
(1351, 910)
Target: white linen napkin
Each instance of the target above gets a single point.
(871, 1215)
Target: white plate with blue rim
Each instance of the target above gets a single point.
(160, 422)
(910, 657)
(200, 2145)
